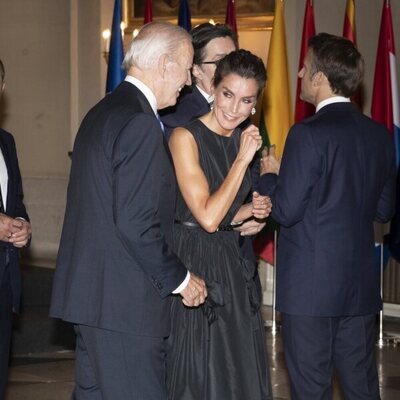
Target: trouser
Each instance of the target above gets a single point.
(313, 346)
(118, 366)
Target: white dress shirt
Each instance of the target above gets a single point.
(331, 100)
(3, 180)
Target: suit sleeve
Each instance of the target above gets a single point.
(138, 160)
(20, 210)
(290, 192)
(387, 200)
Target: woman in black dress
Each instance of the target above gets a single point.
(217, 351)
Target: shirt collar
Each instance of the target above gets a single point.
(145, 90)
(208, 97)
(331, 100)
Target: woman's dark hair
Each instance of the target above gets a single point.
(244, 64)
(339, 60)
(203, 34)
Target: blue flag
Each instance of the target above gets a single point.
(184, 18)
(115, 73)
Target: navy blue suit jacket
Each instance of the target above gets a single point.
(14, 208)
(115, 268)
(337, 177)
(191, 104)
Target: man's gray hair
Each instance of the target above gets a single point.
(153, 40)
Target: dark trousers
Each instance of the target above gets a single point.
(118, 366)
(314, 346)
(5, 326)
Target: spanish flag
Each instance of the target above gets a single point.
(277, 116)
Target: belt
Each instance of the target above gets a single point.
(189, 224)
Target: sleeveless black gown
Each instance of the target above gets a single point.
(217, 351)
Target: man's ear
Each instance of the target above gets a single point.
(163, 64)
(318, 78)
(197, 72)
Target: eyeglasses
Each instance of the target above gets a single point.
(211, 62)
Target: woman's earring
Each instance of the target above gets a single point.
(253, 111)
(211, 102)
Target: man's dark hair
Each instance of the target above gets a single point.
(204, 33)
(243, 63)
(2, 72)
(339, 60)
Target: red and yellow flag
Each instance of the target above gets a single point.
(349, 32)
(304, 109)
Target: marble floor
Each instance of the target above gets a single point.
(49, 376)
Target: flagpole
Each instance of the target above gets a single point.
(272, 325)
(384, 340)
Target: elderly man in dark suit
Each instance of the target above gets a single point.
(115, 270)
(337, 177)
(15, 231)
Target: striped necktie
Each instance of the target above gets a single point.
(161, 123)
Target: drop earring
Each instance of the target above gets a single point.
(211, 102)
(253, 111)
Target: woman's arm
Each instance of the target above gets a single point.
(209, 209)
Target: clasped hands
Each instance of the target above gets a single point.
(14, 230)
(261, 208)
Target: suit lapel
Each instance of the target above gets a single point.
(7, 160)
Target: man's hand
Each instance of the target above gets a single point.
(20, 238)
(195, 292)
(269, 163)
(8, 227)
(250, 228)
(261, 206)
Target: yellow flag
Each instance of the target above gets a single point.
(277, 110)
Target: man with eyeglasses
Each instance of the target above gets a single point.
(210, 43)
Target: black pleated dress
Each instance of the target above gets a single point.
(217, 351)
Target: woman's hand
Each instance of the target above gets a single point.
(262, 206)
(250, 142)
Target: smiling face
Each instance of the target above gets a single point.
(176, 75)
(215, 50)
(234, 98)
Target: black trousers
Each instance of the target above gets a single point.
(5, 326)
(314, 346)
(118, 366)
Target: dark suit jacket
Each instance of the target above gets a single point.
(114, 268)
(191, 104)
(337, 177)
(14, 208)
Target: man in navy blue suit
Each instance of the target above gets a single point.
(336, 178)
(115, 268)
(15, 231)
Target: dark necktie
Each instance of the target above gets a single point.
(1, 203)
